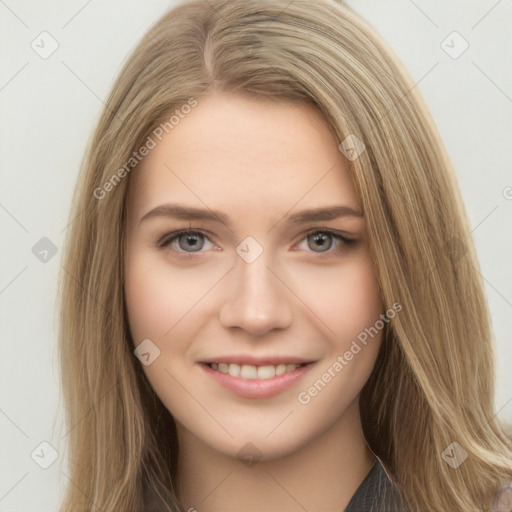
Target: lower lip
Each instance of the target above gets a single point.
(256, 388)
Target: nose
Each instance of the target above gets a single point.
(257, 300)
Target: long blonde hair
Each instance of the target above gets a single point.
(433, 383)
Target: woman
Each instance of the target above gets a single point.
(270, 297)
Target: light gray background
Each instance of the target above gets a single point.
(49, 108)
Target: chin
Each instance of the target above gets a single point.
(253, 447)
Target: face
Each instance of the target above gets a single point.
(247, 268)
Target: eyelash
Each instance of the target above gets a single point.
(165, 241)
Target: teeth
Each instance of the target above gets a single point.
(249, 371)
(280, 369)
(234, 370)
(266, 372)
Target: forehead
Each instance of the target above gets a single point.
(245, 154)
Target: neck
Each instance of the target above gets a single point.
(322, 475)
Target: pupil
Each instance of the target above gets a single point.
(193, 240)
(322, 238)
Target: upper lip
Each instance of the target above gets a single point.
(257, 361)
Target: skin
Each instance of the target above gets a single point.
(257, 162)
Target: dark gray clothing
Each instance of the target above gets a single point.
(376, 493)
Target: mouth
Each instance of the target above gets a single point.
(256, 381)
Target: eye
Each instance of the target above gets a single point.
(185, 241)
(320, 241)
(324, 240)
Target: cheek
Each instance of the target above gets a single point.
(351, 309)
(347, 299)
(157, 300)
(148, 300)
(157, 296)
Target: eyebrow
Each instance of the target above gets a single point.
(178, 211)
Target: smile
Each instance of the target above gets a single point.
(251, 381)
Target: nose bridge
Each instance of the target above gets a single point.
(253, 278)
(256, 300)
